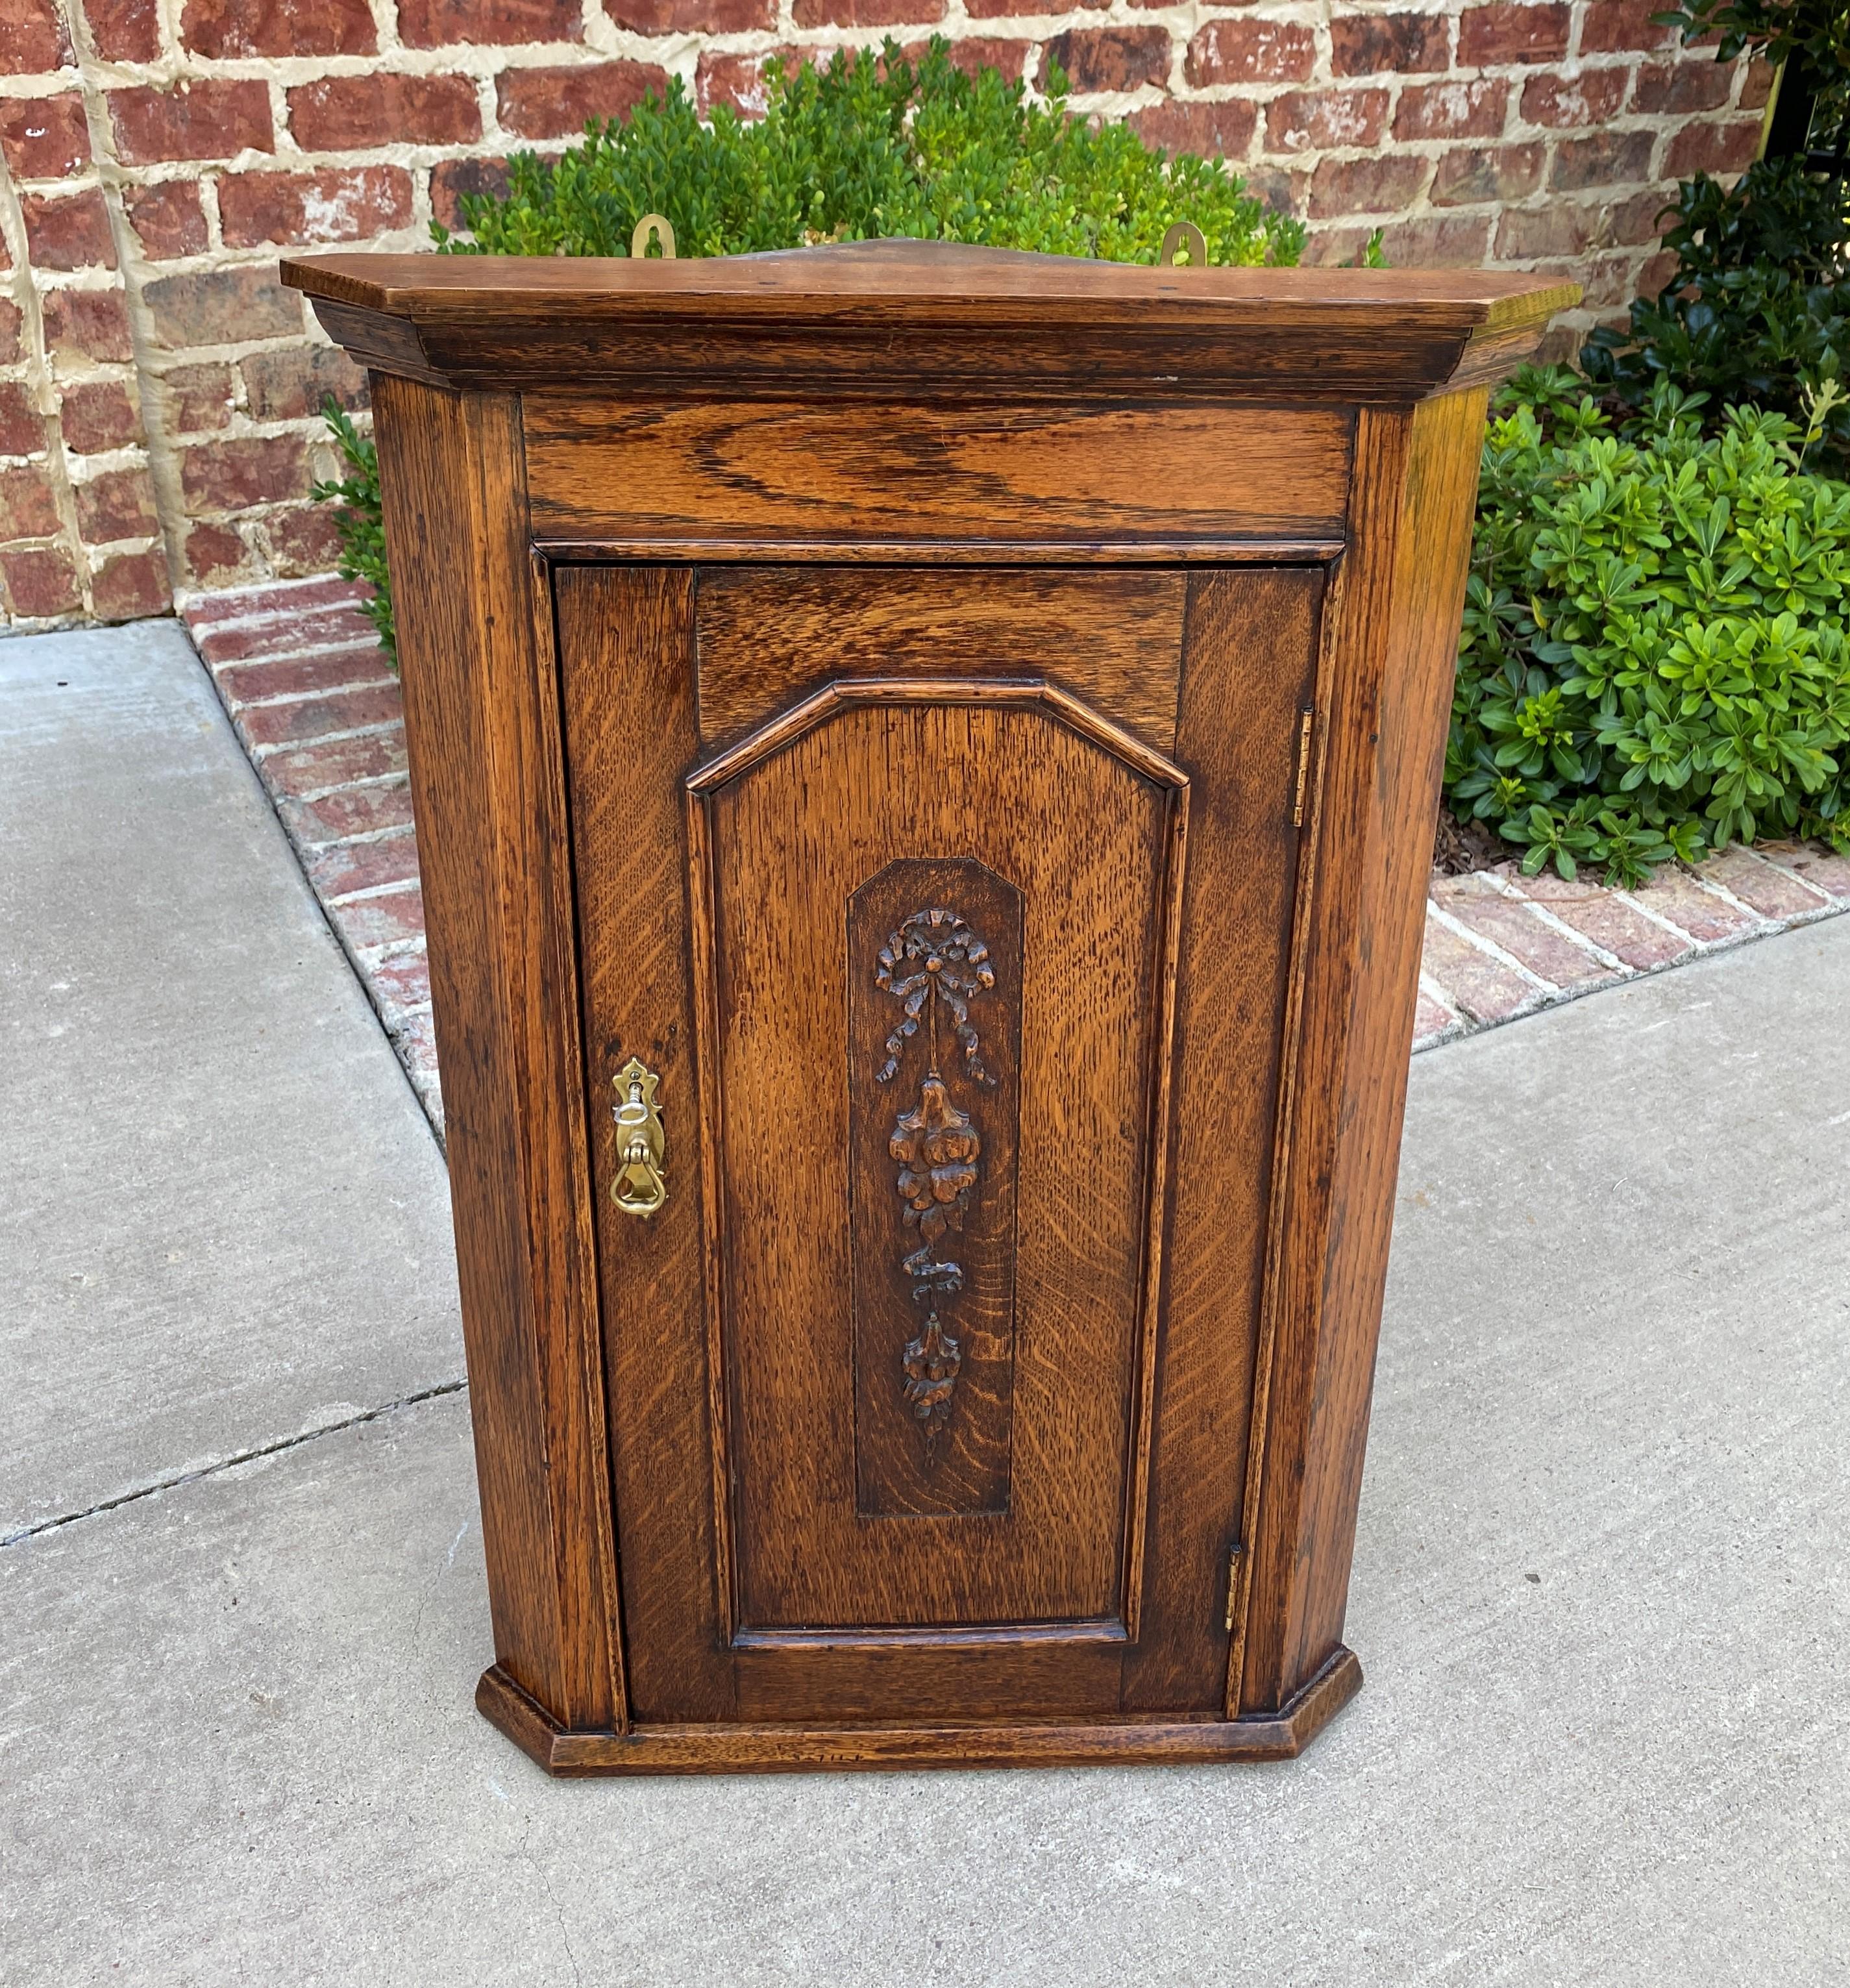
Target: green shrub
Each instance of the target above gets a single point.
(360, 521)
(874, 145)
(1655, 657)
(1757, 312)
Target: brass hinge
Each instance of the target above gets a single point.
(1233, 1583)
(1304, 721)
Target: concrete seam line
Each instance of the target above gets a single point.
(411, 1400)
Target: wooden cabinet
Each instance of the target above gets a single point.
(924, 761)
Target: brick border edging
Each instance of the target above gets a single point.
(312, 699)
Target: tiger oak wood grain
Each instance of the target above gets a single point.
(742, 603)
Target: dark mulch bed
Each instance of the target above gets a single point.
(1459, 846)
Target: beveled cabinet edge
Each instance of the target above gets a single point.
(729, 763)
(771, 1749)
(487, 772)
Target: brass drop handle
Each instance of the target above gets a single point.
(640, 1186)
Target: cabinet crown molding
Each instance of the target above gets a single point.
(931, 318)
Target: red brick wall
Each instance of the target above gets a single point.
(158, 388)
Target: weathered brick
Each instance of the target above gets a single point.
(127, 585)
(1223, 129)
(301, 676)
(1250, 51)
(118, 504)
(555, 102)
(99, 414)
(1820, 868)
(1621, 27)
(990, 10)
(432, 24)
(1474, 173)
(344, 203)
(67, 231)
(1561, 102)
(1096, 60)
(1460, 107)
(235, 27)
(11, 324)
(302, 540)
(1604, 917)
(685, 17)
(1676, 89)
(1384, 184)
(42, 582)
(303, 772)
(1437, 242)
(44, 137)
(299, 720)
(208, 118)
(214, 553)
(1757, 86)
(287, 385)
(21, 425)
(247, 639)
(33, 41)
(1367, 44)
(1631, 223)
(354, 811)
(404, 981)
(1560, 228)
(196, 398)
(124, 30)
(1675, 894)
(29, 504)
(1475, 983)
(452, 178)
(1712, 148)
(1305, 120)
(85, 325)
(389, 919)
(222, 306)
(865, 13)
(1602, 159)
(971, 53)
(348, 867)
(245, 470)
(1285, 189)
(336, 113)
(734, 79)
(1509, 31)
(168, 217)
(1772, 892)
(1430, 1020)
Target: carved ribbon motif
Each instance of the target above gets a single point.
(934, 966)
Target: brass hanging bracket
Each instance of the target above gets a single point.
(658, 225)
(640, 1185)
(1183, 234)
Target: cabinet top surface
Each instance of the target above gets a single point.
(530, 322)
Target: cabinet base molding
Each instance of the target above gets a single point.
(770, 1749)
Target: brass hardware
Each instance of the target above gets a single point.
(656, 224)
(1183, 235)
(1304, 767)
(1233, 1584)
(640, 1187)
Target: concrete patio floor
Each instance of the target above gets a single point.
(1600, 1588)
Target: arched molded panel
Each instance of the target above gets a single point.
(935, 929)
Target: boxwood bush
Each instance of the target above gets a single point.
(1654, 659)
(874, 145)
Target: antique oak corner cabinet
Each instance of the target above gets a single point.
(924, 761)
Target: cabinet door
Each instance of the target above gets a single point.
(949, 913)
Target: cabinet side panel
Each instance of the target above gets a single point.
(626, 642)
(482, 726)
(1389, 660)
(1249, 655)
